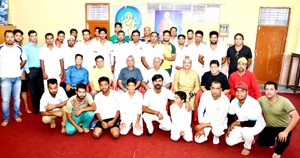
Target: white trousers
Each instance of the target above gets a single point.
(188, 134)
(128, 126)
(217, 131)
(164, 124)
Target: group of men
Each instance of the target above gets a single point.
(115, 73)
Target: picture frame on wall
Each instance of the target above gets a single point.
(224, 30)
(4, 12)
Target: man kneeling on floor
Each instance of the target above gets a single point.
(52, 103)
(80, 111)
(107, 111)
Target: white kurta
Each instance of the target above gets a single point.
(193, 53)
(150, 53)
(137, 50)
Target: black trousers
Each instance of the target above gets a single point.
(69, 93)
(36, 84)
(267, 138)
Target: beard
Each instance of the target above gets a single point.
(157, 86)
(53, 94)
(212, 42)
(80, 97)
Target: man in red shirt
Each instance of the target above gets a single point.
(245, 76)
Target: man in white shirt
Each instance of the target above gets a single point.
(107, 111)
(190, 37)
(69, 52)
(154, 107)
(131, 110)
(51, 59)
(173, 38)
(147, 83)
(105, 47)
(12, 60)
(96, 34)
(250, 121)
(181, 118)
(212, 112)
(52, 103)
(181, 52)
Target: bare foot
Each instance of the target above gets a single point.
(28, 111)
(63, 130)
(19, 119)
(276, 155)
(245, 151)
(52, 125)
(4, 123)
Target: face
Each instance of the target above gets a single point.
(9, 38)
(173, 32)
(130, 62)
(78, 60)
(86, 36)
(181, 40)
(49, 40)
(158, 84)
(61, 37)
(71, 42)
(153, 37)
(96, 33)
(241, 94)
(177, 100)
(135, 37)
(100, 62)
(166, 37)
(104, 86)
(102, 35)
(18, 37)
(118, 28)
(131, 87)
(270, 91)
(81, 93)
(121, 37)
(147, 31)
(198, 38)
(241, 66)
(156, 63)
(53, 88)
(187, 64)
(190, 35)
(216, 90)
(213, 39)
(214, 68)
(33, 37)
(238, 40)
(74, 33)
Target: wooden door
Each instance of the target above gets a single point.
(92, 24)
(269, 51)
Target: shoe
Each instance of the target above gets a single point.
(149, 134)
(216, 140)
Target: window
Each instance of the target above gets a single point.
(274, 16)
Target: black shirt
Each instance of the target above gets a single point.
(234, 55)
(208, 78)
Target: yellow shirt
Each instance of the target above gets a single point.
(97, 73)
(169, 50)
(186, 81)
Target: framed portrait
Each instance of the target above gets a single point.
(224, 30)
(4, 12)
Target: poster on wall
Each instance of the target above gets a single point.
(130, 17)
(3, 11)
(165, 19)
(224, 30)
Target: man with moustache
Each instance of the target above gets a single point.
(52, 103)
(59, 41)
(79, 111)
(146, 37)
(190, 37)
(169, 52)
(173, 38)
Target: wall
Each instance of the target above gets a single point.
(242, 16)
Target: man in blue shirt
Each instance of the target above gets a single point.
(33, 69)
(74, 75)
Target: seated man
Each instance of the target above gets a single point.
(52, 103)
(131, 110)
(281, 118)
(213, 108)
(97, 72)
(250, 121)
(212, 75)
(187, 80)
(107, 111)
(75, 74)
(79, 110)
(129, 72)
(154, 107)
(147, 83)
(181, 118)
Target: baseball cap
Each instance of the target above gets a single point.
(243, 60)
(241, 85)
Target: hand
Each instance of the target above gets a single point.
(147, 87)
(110, 123)
(160, 116)
(45, 76)
(62, 74)
(178, 67)
(58, 113)
(188, 106)
(104, 125)
(138, 126)
(68, 87)
(199, 127)
(23, 77)
(182, 133)
(93, 92)
(78, 112)
(80, 130)
(228, 132)
(199, 133)
(112, 69)
(124, 89)
(164, 56)
(282, 136)
(123, 125)
(49, 107)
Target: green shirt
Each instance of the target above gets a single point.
(73, 105)
(169, 50)
(114, 39)
(276, 113)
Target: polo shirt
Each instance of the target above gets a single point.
(158, 101)
(277, 112)
(114, 39)
(125, 74)
(46, 99)
(151, 52)
(75, 76)
(169, 50)
(33, 57)
(130, 107)
(51, 60)
(96, 73)
(232, 55)
(152, 72)
(107, 106)
(208, 78)
(73, 105)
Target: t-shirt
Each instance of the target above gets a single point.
(276, 113)
(51, 60)
(181, 117)
(169, 50)
(107, 106)
(46, 99)
(114, 39)
(208, 78)
(130, 107)
(158, 101)
(73, 105)
(232, 54)
(209, 55)
(125, 74)
(151, 52)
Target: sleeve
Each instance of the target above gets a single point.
(231, 110)
(228, 53)
(139, 75)
(147, 98)
(63, 95)
(89, 98)
(86, 77)
(201, 107)
(140, 104)
(204, 80)
(68, 75)
(109, 74)
(121, 76)
(248, 123)
(255, 111)
(249, 54)
(97, 101)
(170, 94)
(43, 103)
(176, 80)
(173, 49)
(231, 84)
(255, 86)
(197, 83)
(167, 77)
(69, 107)
(41, 54)
(188, 119)
(225, 85)
(288, 106)
(224, 113)
(91, 76)
(23, 54)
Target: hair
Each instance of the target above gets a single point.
(155, 33)
(18, 31)
(166, 31)
(189, 30)
(216, 82)
(173, 28)
(49, 34)
(103, 79)
(214, 62)
(86, 30)
(97, 28)
(99, 57)
(199, 32)
(8, 31)
(31, 32)
(73, 29)
(271, 83)
(61, 32)
(182, 95)
(117, 23)
(80, 85)
(78, 55)
(181, 35)
(131, 80)
(103, 29)
(213, 33)
(121, 31)
(157, 76)
(136, 31)
(239, 34)
(51, 81)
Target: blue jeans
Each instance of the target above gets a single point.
(10, 86)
